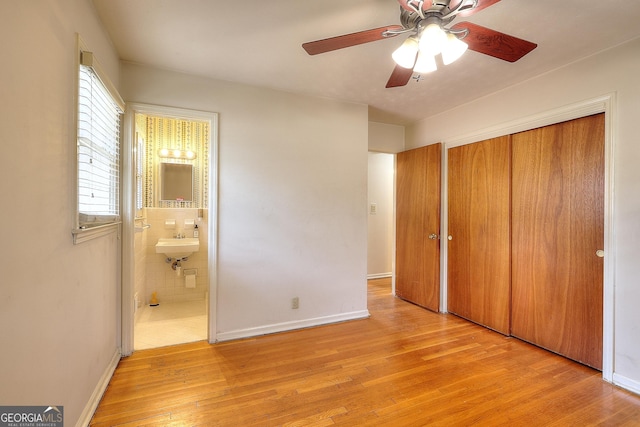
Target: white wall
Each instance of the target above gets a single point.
(58, 302)
(292, 200)
(615, 71)
(386, 138)
(380, 224)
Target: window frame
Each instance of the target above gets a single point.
(83, 233)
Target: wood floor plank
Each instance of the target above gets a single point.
(403, 366)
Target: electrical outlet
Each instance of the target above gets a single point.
(295, 303)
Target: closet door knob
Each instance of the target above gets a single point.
(450, 237)
(600, 253)
(433, 236)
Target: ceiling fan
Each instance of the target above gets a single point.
(426, 21)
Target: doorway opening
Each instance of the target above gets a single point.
(172, 292)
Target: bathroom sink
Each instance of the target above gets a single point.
(177, 248)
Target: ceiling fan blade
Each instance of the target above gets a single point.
(399, 77)
(494, 43)
(347, 40)
(482, 4)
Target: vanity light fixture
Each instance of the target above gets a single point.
(177, 154)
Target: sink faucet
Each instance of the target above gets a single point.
(179, 236)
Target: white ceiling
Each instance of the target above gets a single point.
(258, 42)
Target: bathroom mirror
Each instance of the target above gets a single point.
(176, 182)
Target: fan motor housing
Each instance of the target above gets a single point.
(412, 20)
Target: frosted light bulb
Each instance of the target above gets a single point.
(453, 49)
(405, 55)
(432, 39)
(426, 63)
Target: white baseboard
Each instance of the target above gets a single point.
(626, 383)
(289, 326)
(378, 276)
(94, 401)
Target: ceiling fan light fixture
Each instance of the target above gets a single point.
(432, 39)
(426, 22)
(453, 49)
(426, 63)
(405, 55)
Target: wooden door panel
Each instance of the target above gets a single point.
(557, 227)
(478, 223)
(418, 216)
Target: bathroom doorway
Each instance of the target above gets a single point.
(167, 296)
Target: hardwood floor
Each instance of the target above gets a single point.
(404, 366)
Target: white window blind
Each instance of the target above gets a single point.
(99, 117)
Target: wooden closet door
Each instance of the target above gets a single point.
(418, 225)
(557, 227)
(478, 218)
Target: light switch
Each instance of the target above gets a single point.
(373, 208)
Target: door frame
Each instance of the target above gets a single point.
(128, 186)
(603, 104)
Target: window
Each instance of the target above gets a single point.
(98, 149)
